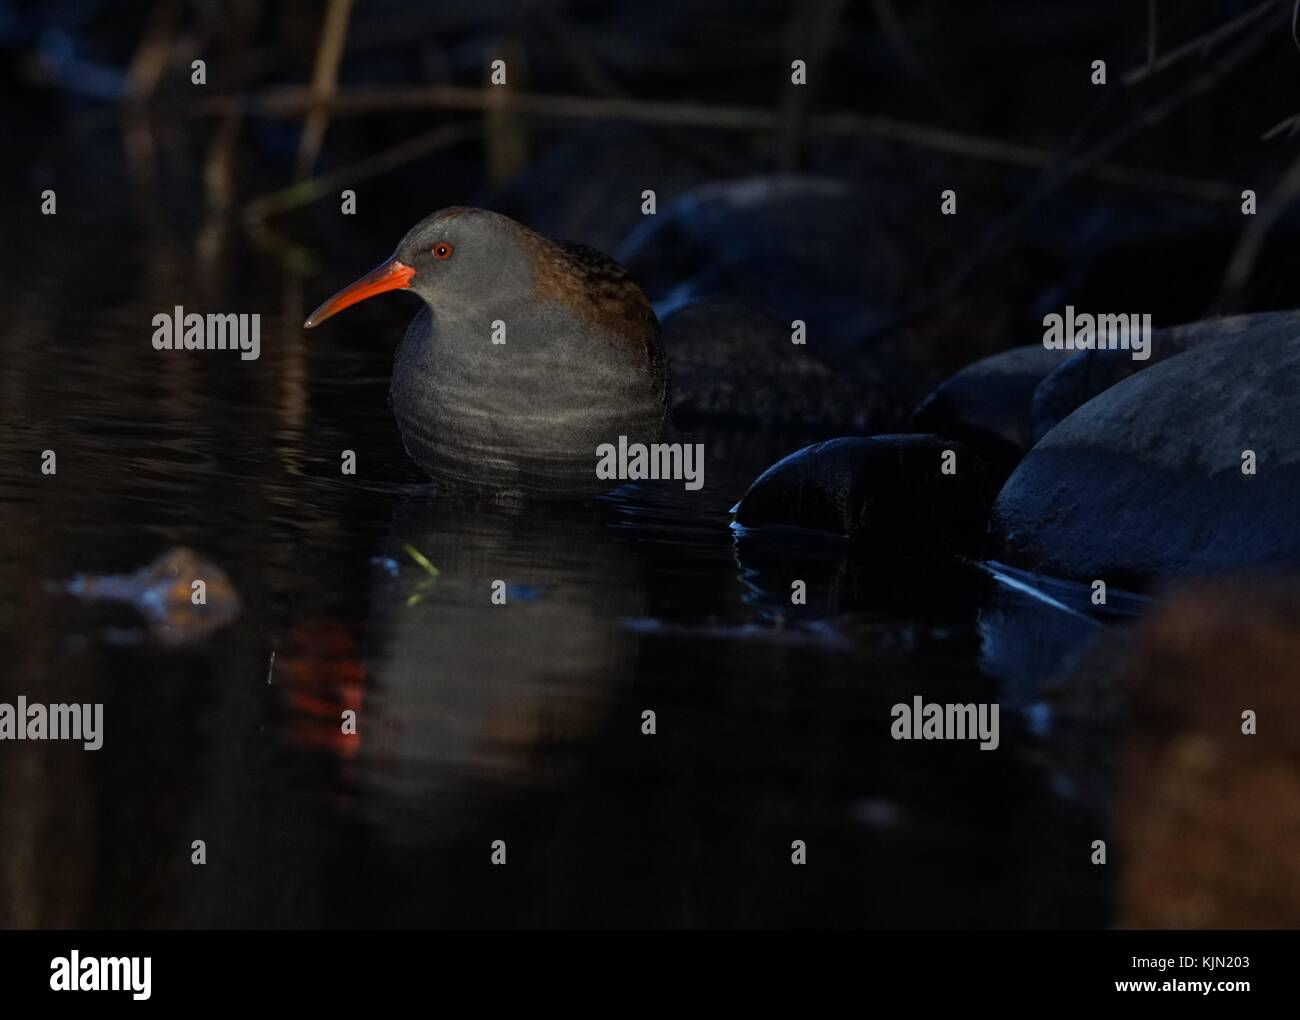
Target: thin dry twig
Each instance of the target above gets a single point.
(892, 28)
(812, 32)
(505, 133)
(148, 64)
(575, 49)
(1069, 167)
(1241, 263)
(1201, 45)
(308, 191)
(291, 101)
(1290, 125)
(151, 57)
(1152, 27)
(591, 71)
(219, 164)
(333, 37)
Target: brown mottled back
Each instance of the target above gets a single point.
(609, 299)
(570, 272)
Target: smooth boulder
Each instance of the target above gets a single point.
(1148, 480)
(1086, 374)
(734, 363)
(987, 404)
(775, 240)
(882, 490)
(813, 249)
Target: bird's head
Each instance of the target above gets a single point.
(450, 259)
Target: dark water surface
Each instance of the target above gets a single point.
(476, 722)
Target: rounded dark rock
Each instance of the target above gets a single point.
(734, 363)
(987, 404)
(1086, 374)
(880, 490)
(806, 248)
(848, 261)
(1148, 480)
(742, 237)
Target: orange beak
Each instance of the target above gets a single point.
(390, 275)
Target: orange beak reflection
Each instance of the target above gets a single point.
(390, 275)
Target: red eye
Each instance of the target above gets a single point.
(442, 250)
